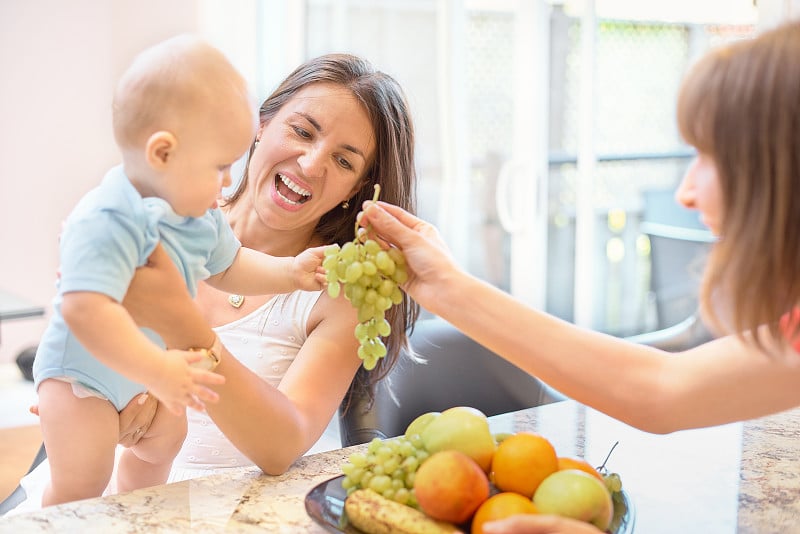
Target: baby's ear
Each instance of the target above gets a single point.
(159, 148)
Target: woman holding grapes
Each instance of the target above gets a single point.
(740, 108)
(330, 132)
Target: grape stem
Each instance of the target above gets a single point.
(603, 466)
(374, 200)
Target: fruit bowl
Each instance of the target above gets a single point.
(325, 505)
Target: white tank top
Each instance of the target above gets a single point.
(267, 342)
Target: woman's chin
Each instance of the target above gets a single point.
(710, 225)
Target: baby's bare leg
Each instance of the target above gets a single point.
(80, 435)
(149, 461)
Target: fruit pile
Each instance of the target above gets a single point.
(371, 277)
(448, 473)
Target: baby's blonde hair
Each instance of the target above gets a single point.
(167, 83)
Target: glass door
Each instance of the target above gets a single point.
(476, 74)
(547, 149)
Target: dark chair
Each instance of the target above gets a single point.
(18, 495)
(682, 336)
(457, 372)
(679, 244)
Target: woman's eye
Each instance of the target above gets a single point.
(301, 132)
(344, 163)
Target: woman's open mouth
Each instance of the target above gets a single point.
(289, 191)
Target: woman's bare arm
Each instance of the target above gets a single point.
(719, 382)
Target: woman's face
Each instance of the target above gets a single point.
(311, 156)
(700, 190)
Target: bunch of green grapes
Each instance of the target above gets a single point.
(388, 467)
(370, 276)
(613, 482)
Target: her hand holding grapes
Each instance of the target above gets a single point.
(427, 257)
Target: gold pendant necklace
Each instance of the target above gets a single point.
(236, 300)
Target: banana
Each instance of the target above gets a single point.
(374, 514)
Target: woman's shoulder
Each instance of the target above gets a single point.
(328, 310)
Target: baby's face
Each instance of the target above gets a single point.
(208, 145)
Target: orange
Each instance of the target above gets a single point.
(522, 461)
(577, 463)
(501, 506)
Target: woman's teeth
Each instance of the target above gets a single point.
(302, 194)
(294, 187)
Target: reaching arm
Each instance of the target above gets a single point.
(271, 426)
(721, 381)
(255, 273)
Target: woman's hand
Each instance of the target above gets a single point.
(426, 254)
(539, 524)
(136, 418)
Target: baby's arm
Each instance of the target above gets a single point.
(256, 273)
(106, 330)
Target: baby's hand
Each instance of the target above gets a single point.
(180, 385)
(306, 267)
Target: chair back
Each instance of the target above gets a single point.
(457, 372)
(679, 245)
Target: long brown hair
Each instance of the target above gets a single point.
(393, 168)
(741, 106)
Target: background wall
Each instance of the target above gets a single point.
(59, 62)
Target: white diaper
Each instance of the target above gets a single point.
(79, 390)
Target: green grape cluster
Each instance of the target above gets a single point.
(388, 467)
(370, 276)
(613, 482)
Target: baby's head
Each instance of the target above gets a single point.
(182, 114)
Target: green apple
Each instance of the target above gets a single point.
(576, 494)
(418, 425)
(463, 429)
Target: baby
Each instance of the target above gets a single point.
(182, 116)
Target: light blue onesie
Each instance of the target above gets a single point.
(111, 232)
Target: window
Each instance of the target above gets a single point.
(546, 132)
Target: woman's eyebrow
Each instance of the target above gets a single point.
(318, 128)
(310, 119)
(354, 150)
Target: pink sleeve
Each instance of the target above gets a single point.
(790, 324)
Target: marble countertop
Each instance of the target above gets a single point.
(737, 478)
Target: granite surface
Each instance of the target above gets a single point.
(738, 478)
